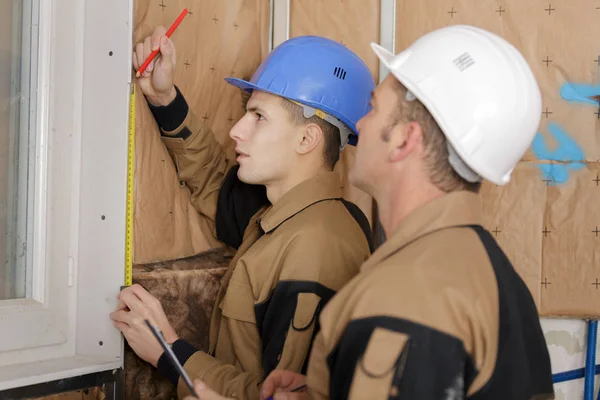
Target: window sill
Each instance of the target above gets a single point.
(38, 372)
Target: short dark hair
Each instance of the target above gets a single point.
(331, 133)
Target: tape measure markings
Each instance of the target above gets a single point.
(130, 172)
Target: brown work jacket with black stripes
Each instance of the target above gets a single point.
(437, 312)
(291, 259)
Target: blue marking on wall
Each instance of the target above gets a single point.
(568, 154)
(567, 151)
(580, 93)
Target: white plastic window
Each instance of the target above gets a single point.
(65, 73)
(18, 141)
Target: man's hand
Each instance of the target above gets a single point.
(279, 383)
(157, 80)
(204, 392)
(135, 306)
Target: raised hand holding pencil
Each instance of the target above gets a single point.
(155, 75)
(156, 51)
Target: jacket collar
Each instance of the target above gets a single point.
(453, 209)
(324, 186)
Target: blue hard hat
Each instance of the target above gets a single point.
(319, 73)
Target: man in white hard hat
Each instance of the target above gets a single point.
(437, 312)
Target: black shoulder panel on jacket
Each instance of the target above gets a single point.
(430, 364)
(274, 317)
(523, 369)
(362, 220)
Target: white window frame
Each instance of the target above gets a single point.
(63, 328)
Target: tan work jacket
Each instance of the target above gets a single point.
(437, 312)
(293, 257)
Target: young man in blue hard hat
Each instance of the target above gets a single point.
(279, 203)
(437, 312)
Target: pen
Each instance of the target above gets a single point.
(172, 357)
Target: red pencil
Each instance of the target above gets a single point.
(155, 52)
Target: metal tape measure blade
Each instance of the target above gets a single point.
(130, 172)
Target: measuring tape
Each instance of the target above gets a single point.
(130, 171)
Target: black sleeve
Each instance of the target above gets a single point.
(183, 351)
(425, 364)
(237, 203)
(171, 116)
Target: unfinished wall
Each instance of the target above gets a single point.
(216, 40)
(547, 219)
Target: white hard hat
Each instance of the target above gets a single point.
(479, 89)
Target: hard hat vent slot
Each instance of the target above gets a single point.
(339, 73)
(464, 61)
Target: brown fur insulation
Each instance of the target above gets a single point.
(187, 289)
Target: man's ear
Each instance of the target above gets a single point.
(404, 139)
(312, 135)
